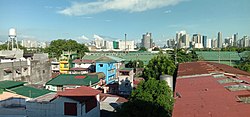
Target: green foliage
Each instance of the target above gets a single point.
(135, 64)
(143, 49)
(245, 64)
(156, 49)
(152, 98)
(182, 56)
(58, 46)
(159, 65)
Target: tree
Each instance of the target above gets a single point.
(156, 49)
(159, 65)
(245, 63)
(152, 98)
(143, 49)
(135, 64)
(58, 46)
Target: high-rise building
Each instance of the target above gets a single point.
(235, 39)
(219, 38)
(209, 43)
(245, 41)
(197, 41)
(147, 40)
(204, 41)
(182, 39)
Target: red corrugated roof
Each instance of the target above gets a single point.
(103, 96)
(78, 69)
(204, 96)
(81, 91)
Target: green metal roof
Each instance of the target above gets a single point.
(10, 84)
(71, 79)
(127, 69)
(131, 56)
(30, 91)
(216, 55)
(109, 59)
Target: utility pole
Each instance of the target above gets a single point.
(125, 42)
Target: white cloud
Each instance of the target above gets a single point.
(167, 11)
(83, 8)
(83, 37)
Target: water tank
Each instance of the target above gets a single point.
(168, 79)
(12, 32)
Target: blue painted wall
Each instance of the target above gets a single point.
(108, 69)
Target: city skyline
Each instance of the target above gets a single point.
(79, 20)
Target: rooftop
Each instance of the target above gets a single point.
(205, 89)
(109, 59)
(10, 84)
(80, 91)
(74, 79)
(83, 61)
(29, 91)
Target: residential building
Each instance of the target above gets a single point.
(82, 66)
(79, 102)
(66, 61)
(147, 40)
(214, 89)
(108, 65)
(68, 81)
(55, 67)
(219, 38)
(125, 80)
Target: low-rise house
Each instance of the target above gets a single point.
(65, 81)
(55, 67)
(82, 66)
(19, 88)
(125, 79)
(108, 65)
(79, 102)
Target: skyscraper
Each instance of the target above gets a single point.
(219, 38)
(204, 41)
(147, 40)
(235, 38)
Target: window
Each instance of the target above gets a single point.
(101, 65)
(70, 109)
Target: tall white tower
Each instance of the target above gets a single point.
(12, 39)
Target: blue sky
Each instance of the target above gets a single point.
(46, 20)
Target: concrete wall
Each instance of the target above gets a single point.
(19, 70)
(56, 109)
(126, 83)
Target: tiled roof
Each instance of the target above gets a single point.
(10, 84)
(29, 91)
(205, 96)
(70, 79)
(80, 91)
